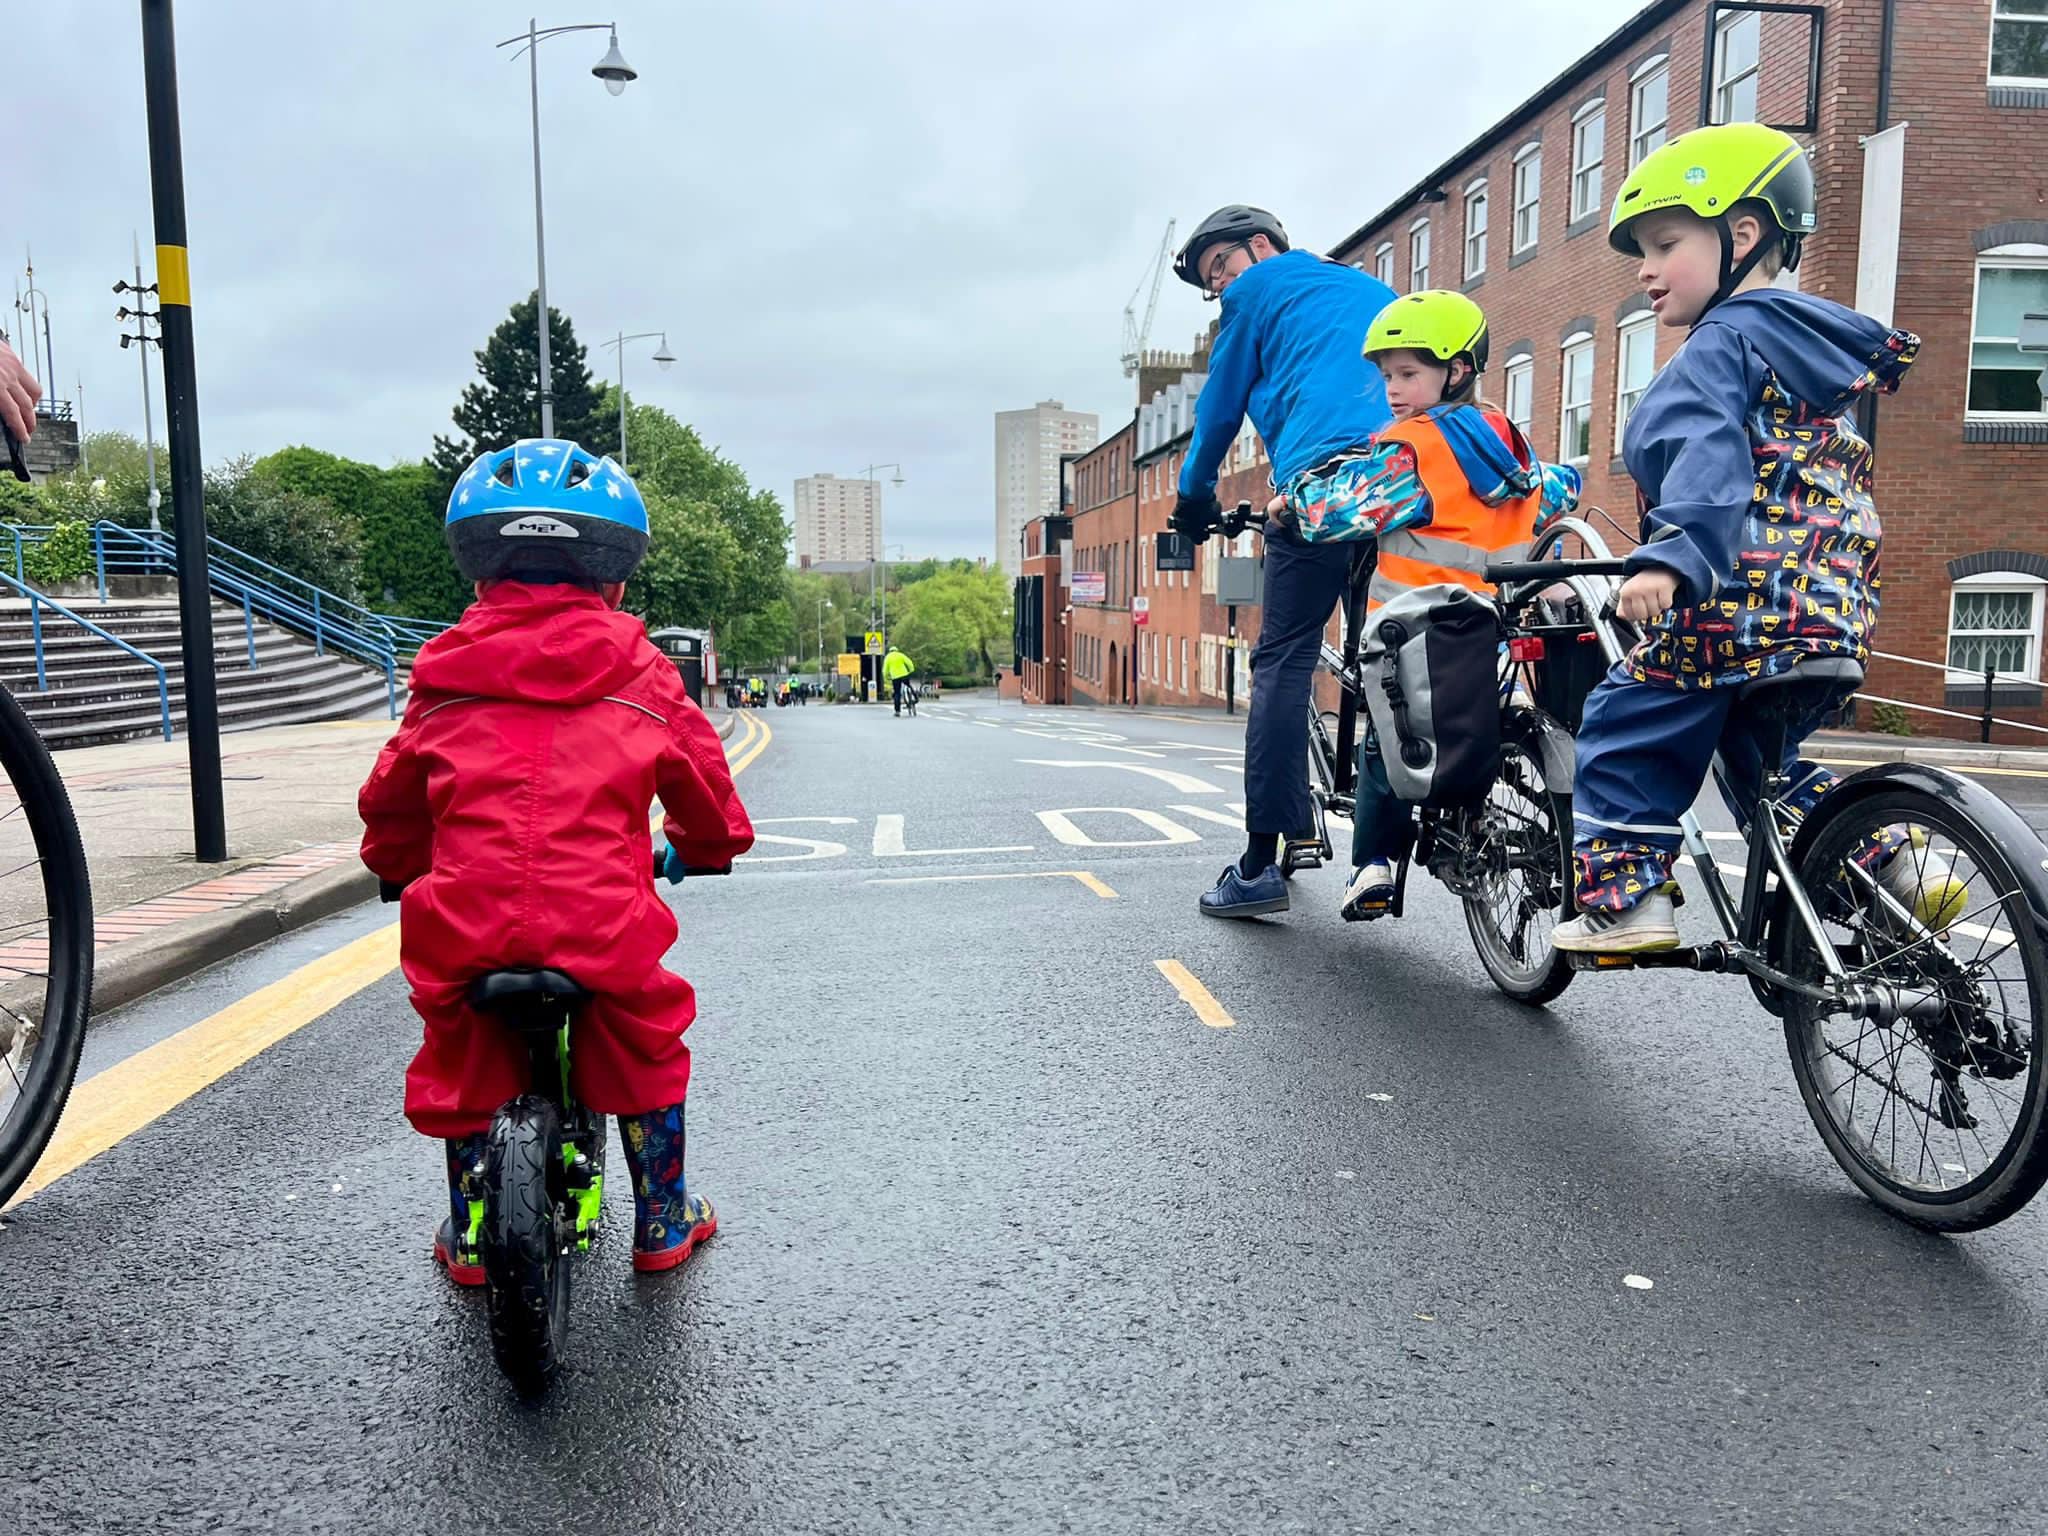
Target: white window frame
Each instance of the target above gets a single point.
(1520, 370)
(1418, 241)
(1647, 74)
(1578, 341)
(2030, 258)
(1186, 681)
(1383, 262)
(1475, 239)
(1991, 40)
(1639, 330)
(1529, 159)
(2017, 583)
(1726, 85)
(1589, 131)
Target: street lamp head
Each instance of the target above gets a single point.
(613, 69)
(897, 478)
(664, 356)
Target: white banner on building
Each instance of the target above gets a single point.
(1877, 246)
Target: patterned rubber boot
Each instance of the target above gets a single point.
(455, 1240)
(669, 1221)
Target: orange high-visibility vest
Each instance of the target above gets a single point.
(1463, 534)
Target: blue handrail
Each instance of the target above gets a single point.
(119, 548)
(38, 601)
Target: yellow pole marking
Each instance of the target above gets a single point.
(1195, 995)
(1081, 875)
(173, 276)
(125, 1097)
(114, 1104)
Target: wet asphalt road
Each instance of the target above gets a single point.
(1012, 1242)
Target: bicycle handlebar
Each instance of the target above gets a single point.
(15, 461)
(391, 890)
(1552, 570)
(1237, 519)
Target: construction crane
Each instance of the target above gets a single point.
(1135, 335)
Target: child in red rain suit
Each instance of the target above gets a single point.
(513, 805)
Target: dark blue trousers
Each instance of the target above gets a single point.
(1304, 583)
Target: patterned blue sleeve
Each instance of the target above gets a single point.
(1688, 450)
(1562, 486)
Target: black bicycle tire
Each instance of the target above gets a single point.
(526, 1275)
(67, 896)
(2014, 1178)
(1559, 973)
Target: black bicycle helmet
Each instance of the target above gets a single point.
(1238, 221)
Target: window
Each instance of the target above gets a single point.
(2019, 42)
(1994, 621)
(1168, 648)
(1383, 263)
(1634, 369)
(1418, 255)
(1735, 67)
(1589, 144)
(1528, 197)
(1208, 556)
(2004, 381)
(1649, 108)
(1575, 428)
(1475, 230)
(1521, 392)
(1184, 677)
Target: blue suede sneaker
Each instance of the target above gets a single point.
(1235, 896)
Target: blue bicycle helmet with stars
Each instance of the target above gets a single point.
(546, 510)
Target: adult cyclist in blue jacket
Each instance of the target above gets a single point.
(1289, 352)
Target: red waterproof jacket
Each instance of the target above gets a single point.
(515, 797)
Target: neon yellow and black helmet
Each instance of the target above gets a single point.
(1708, 172)
(1435, 322)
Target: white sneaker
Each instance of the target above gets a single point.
(1925, 884)
(1649, 925)
(1370, 893)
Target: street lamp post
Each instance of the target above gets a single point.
(868, 479)
(615, 72)
(662, 356)
(45, 358)
(141, 337)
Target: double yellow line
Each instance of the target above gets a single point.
(116, 1103)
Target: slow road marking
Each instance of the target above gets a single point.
(1195, 995)
(114, 1104)
(1186, 783)
(1081, 875)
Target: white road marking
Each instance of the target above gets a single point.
(1185, 783)
(889, 843)
(1202, 813)
(1061, 825)
(820, 848)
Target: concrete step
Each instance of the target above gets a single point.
(340, 699)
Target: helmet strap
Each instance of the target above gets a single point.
(1734, 271)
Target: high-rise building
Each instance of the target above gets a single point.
(1028, 448)
(837, 520)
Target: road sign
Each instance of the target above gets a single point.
(1240, 580)
(1141, 610)
(1173, 552)
(849, 664)
(874, 639)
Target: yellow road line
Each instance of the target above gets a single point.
(1872, 762)
(1195, 995)
(1081, 875)
(114, 1104)
(124, 1098)
(753, 748)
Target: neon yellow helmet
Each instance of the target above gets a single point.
(1709, 171)
(1436, 322)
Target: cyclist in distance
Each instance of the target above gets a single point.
(512, 805)
(1287, 354)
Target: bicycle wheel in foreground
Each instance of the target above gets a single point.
(1932, 1101)
(1517, 872)
(46, 935)
(527, 1234)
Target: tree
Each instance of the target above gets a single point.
(291, 530)
(955, 623)
(116, 454)
(397, 514)
(505, 405)
(692, 563)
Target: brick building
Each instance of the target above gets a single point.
(1518, 219)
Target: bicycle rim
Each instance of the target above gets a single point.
(46, 939)
(1938, 1117)
(1520, 840)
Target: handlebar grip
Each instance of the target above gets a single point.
(691, 871)
(1237, 519)
(15, 462)
(390, 890)
(1552, 570)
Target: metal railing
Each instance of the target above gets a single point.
(260, 590)
(1991, 678)
(37, 602)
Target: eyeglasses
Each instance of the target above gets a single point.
(1212, 266)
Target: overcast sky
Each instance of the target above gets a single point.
(865, 227)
